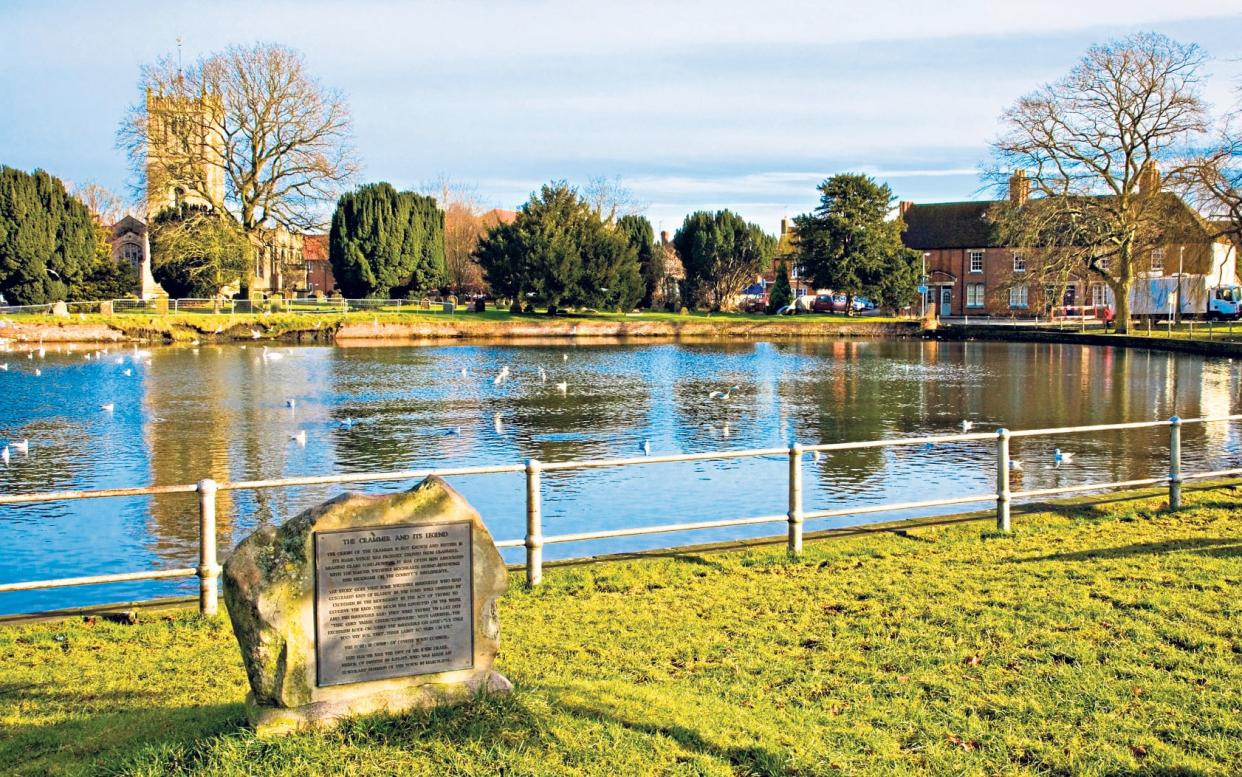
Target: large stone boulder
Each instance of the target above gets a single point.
(367, 604)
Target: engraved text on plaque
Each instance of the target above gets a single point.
(393, 601)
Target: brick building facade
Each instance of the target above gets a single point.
(972, 273)
(318, 270)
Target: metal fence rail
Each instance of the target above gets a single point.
(208, 569)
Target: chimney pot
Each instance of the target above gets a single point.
(1019, 188)
(1149, 178)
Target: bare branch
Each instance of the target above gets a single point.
(1097, 147)
(246, 131)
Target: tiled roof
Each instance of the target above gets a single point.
(949, 225)
(315, 248)
(965, 224)
(499, 216)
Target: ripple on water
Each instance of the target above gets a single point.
(222, 414)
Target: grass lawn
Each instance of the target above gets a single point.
(1099, 640)
(1214, 331)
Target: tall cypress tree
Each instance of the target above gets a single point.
(640, 234)
(386, 243)
(48, 239)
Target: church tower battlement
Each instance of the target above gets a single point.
(185, 148)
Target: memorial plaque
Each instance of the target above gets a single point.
(367, 604)
(393, 601)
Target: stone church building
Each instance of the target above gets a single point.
(280, 264)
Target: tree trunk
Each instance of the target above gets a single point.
(1121, 289)
(1121, 295)
(1123, 309)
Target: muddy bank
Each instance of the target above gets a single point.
(392, 327)
(568, 328)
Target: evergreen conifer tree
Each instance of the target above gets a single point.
(385, 243)
(781, 294)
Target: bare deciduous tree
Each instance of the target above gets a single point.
(1090, 143)
(1217, 184)
(106, 207)
(463, 226)
(247, 131)
(610, 199)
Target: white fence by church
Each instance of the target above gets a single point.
(208, 569)
(238, 307)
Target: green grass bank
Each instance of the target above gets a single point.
(412, 324)
(1098, 639)
(1214, 339)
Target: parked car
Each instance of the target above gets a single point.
(838, 304)
(822, 303)
(753, 303)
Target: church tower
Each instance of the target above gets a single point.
(184, 151)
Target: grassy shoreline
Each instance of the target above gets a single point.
(1097, 639)
(1203, 342)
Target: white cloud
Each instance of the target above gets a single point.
(703, 103)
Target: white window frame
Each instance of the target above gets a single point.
(1019, 263)
(1157, 259)
(975, 255)
(976, 288)
(1099, 295)
(1019, 296)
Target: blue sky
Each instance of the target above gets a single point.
(693, 105)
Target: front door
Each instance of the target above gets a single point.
(946, 301)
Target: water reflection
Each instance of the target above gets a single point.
(221, 412)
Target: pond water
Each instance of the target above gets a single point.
(182, 414)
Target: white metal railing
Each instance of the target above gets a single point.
(208, 569)
(242, 306)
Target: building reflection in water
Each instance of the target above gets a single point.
(221, 413)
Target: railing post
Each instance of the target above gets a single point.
(1175, 463)
(534, 525)
(795, 499)
(208, 569)
(1002, 480)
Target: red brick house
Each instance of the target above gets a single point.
(318, 269)
(972, 273)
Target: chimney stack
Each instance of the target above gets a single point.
(903, 207)
(1019, 188)
(1149, 178)
(664, 237)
